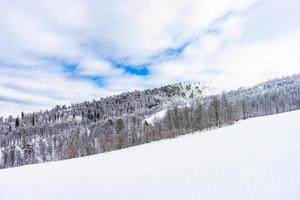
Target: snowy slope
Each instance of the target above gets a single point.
(253, 159)
(156, 116)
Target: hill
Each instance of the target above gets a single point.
(254, 159)
(135, 118)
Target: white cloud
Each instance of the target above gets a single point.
(35, 88)
(133, 29)
(232, 57)
(97, 67)
(247, 42)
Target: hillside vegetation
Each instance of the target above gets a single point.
(120, 121)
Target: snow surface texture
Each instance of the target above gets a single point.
(156, 117)
(253, 159)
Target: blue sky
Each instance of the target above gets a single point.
(59, 52)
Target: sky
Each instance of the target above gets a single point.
(62, 52)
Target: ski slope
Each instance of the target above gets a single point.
(254, 159)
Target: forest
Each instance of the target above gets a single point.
(121, 121)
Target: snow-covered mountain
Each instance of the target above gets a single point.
(138, 102)
(254, 159)
(135, 118)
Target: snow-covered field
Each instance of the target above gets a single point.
(254, 159)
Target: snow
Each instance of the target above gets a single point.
(156, 117)
(253, 159)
